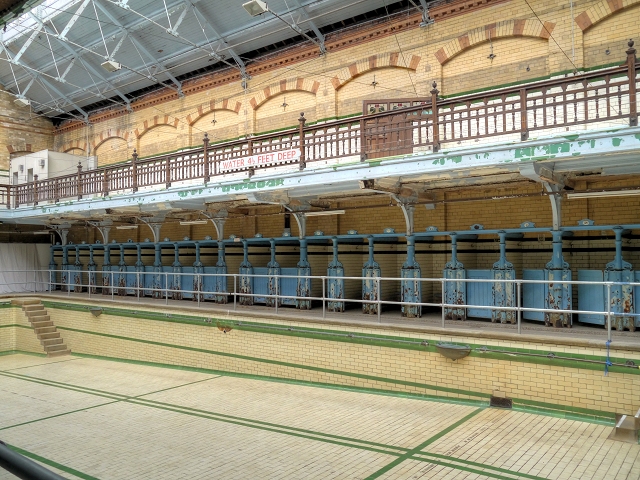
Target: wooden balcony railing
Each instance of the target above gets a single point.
(552, 105)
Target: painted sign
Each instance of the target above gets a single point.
(261, 160)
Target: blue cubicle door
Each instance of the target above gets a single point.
(147, 280)
(186, 282)
(479, 293)
(591, 297)
(209, 283)
(534, 294)
(132, 280)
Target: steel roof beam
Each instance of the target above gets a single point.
(314, 28)
(35, 75)
(88, 66)
(73, 19)
(125, 31)
(241, 65)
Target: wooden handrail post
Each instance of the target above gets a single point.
(8, 197)
(434, 113)
(524, 126)
(303, 155)
(205, 156)
(79, 182)
(35, 190)
(56, 191)
(167, 171)
(134, 170)
(633, 103)
(105, 183)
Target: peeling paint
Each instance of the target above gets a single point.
(252, 185)
(616, 141)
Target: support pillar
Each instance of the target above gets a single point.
(139, 271)
(106, 270)
(64, 234)
(304, 284)
(370, 291)
(273, 281)
(411, 287)
(198, 270)
(176, 294)
(221, 272)
(77, 272)
(122, 275)
(245, 281)
(64, 277)
(157, 272)
(559, 294)
(621, 295)
(455, 293)
(91, 267)
(335, 282)
(503, 293)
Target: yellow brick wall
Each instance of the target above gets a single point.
(20, 130)
(310, 86)
(7, 333)
(564, 386)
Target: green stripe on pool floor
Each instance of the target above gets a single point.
(402, 453)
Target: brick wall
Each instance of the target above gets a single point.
(358, 364)
(452, 51)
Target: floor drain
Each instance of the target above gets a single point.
(501, 402)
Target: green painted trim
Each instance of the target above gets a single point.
(284, 364)
(477, 464)
(369, 339)
(51, 463)
(423, 445)
(58, 415)
(291, 381)
(540, 408)
(414, 454)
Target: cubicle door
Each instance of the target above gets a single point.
(479, 294)
(288, 286)
(260, 285)
(591, 297)
(534, 294)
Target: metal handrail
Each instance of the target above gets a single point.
(168, 290)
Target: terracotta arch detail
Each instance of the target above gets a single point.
(74, 144)
(285, 85)
(109, 134)
(511, 28)
(156, 122)
(602, 10)
(26, 148)
(213, 105)
(394, 59)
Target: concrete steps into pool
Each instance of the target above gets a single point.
(44, 328)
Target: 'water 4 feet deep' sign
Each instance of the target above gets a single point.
(260, 160)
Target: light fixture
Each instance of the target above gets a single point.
(42, 162)
(604, 193)
(258, 7)
(126, 227)
(255, 7)
(323, 213)
(111, 66)
(22, 101)
(193, 222)
(21, 168)
(42, 232)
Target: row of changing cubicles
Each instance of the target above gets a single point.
(110, 269)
